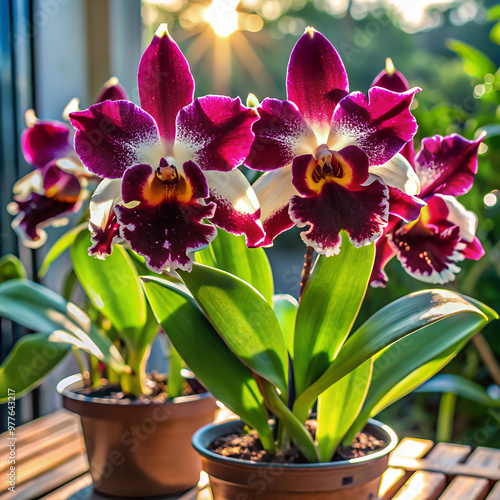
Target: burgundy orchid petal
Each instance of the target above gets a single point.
(383, 254)
(281, 133)
(112, 136)
(103, 223)
(104, 239)
(237, 209)
(392, 79)
(426, 255)
(165, 82)
(33, 214)
(339, 194)
(473, 250)
(404, 206)
(46, 141)
(61, 193)
(380, 125)
(447, 165)
(162, 221)
(274, 190)
(443, 235)
(215, 132)
(316, 80)
(112, 91)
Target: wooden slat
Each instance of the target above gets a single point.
(26, 451)
(50, 460)
(394, 478)
(495, 493)
(51, 479)
(414, 464)
(424, 485)
(33, 430)
(71, 488)
(474, 488)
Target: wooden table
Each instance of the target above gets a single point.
(51, 464)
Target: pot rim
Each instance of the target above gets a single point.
(68, 385)
(197, 442)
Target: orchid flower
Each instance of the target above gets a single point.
(330, 156)
(444, 234)
(169, 165)
(56, 186)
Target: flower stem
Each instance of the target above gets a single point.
(306, 270)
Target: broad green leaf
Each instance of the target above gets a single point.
(206, 256)
(40, 309)
(339, 406)
(411, 361)
(11, 268)
(415, 379)
(328, 308)
(460, 386)
(393, 322)
(206, 354)
(143, 269)
(285, 308)
(33, 357)
(495, 33)
(59, 247)
(476, 63)
(493, 13)
(69, 285)
(230, 253)
(114, 288)
(243, 319)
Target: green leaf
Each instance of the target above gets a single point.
(495, 33)
(328, 308)
(285, 307)
(206, 354)
(346, 396)
(114, 288)
(69, 285)
(404, 365)
(393, 322)
(476, 63)
(416, 378)
(40, 309)
(60, 246)
(11, 268)
(493, 13)
(33, 357)
(230, 253)
(243, 319)
(460, 386)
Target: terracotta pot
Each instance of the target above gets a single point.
(136, 449)
(233, 479)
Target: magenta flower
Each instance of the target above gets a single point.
(430, 247)
(56, 187)
(168, 166)
(330, 156)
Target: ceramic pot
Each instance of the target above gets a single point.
(136, 449)
(233, 479)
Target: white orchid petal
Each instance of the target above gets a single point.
(398, 173)
(274, 190)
